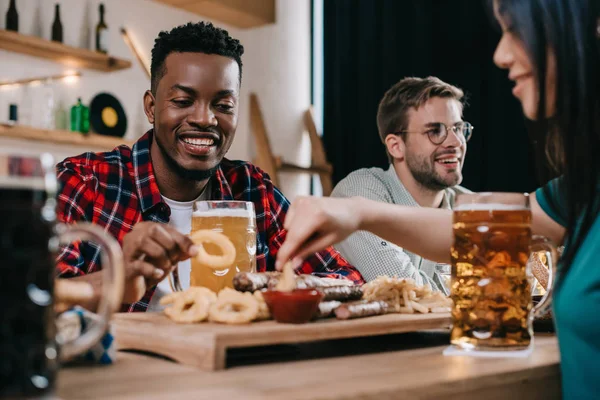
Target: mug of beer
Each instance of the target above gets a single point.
(30, 349)
(491, 277)
(237, 221)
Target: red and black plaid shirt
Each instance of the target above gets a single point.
(118, 189)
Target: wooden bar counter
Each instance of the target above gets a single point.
(403, 366)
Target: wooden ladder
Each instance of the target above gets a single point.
(272, 165)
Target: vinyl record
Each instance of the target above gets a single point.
(107, 116)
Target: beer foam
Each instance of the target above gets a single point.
(22, 182)
(490, 207)
(223, 212)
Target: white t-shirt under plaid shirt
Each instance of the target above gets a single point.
(372, 255)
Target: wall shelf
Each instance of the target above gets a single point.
(238, 13)
(90, 142)
(67, 55)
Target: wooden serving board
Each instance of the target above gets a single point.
(204, 345)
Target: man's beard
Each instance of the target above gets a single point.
(184, 173)
(427, 176)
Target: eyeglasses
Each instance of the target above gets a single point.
(438, 132)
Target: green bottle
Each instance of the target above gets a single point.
(80, 117)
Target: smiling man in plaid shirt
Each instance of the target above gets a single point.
(143, 196)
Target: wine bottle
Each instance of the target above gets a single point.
(102, 32)
(12, 17)
(57, 29)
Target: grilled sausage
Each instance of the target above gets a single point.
(252, 281)
(342, 293)
(327, 308)
(361, 309)
(306, 281)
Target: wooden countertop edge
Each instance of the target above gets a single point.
(382, 377)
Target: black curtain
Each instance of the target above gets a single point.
(371, 44)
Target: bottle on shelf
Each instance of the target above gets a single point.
(80, 117)
(60, 116)
(101, 32)
(13, 116)
(12, 17)
(57, 28)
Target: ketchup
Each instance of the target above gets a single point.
(296, 307)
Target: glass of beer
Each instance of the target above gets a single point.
(31, 348)
(491, 277)
(237, 221)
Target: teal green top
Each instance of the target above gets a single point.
(576, 308)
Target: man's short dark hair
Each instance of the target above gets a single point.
(200, 37)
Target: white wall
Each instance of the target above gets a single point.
(276, 67)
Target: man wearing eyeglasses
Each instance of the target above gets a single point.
(420, 123)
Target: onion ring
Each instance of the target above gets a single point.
(233, 307)
(196, 290)
(223, 242)
(263, 308)
(190, 306)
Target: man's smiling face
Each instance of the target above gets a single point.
(194, 112)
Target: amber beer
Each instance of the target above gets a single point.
(491, 284)
(30, 240)
(237, 221)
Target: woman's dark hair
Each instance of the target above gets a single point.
(570, 139)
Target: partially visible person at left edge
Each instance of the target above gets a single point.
(139, 194)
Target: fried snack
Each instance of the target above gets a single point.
(436, 302)
(196, 290)
(188, 309)
(170, 298)
(190, 306)
(287, 283)
(213, 261)
(263, 309)
(233, 307)
(404, 296)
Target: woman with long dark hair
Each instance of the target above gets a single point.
(551, 49)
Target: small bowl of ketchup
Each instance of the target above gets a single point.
(296, 307)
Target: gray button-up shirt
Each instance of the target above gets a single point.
(372, 255)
